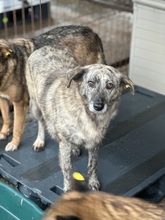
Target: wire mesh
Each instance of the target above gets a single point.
(111, 19)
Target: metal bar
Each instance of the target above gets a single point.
(49, 15)
(15, 21)
(40, 15)
(5, 24)
(23, 18)
(32, 17)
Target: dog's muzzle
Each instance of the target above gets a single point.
(97, 107)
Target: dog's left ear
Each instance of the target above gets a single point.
(75, 74)
(127, 83)
(6, 51)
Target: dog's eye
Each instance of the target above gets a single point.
(91, 84)
(109, 86)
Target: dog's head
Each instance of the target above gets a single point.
(9, 50)
(5, 54)
(100, 85)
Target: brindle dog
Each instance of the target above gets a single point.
(75, 103)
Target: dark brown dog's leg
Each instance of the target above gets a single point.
(20, 109)
(5, 110)
(92, 168)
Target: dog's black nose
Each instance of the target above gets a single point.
(98, 106)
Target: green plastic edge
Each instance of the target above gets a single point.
(14, 205)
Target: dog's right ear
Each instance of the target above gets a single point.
(75, 74)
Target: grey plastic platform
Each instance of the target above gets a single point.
(131, 158)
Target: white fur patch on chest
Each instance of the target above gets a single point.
(4, 96)
(89, 133)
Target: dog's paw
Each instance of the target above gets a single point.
(11, 147)
(38, 145)
(94, 184)
(2, 136)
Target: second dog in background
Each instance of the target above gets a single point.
(76, 104)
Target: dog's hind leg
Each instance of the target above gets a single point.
(39, 143)
(65, 163)
(5, 110)
(92, 168)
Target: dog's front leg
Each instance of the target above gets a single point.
(5, 110)
(65, 163)
(92, 168)
(20, 109)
